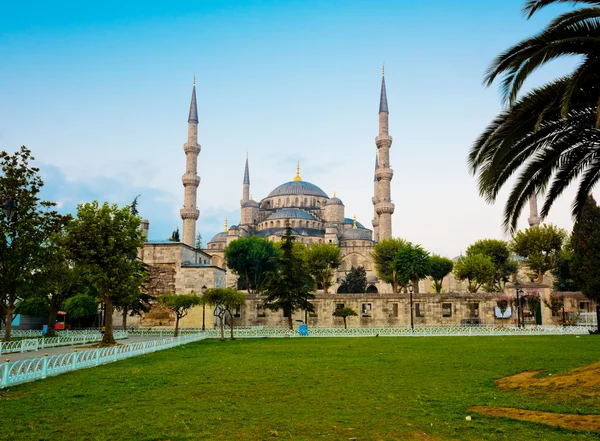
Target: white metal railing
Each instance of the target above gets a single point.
(15, 372)
(34, 344)
(18, 333)
(586, 319)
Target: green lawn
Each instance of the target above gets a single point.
(304, 389)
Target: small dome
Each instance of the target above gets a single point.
(298, 188)
(351, 222)
(291, 213)
(334, 201)
(219, 237)
(250, 203)
(357, 234)
(234, 227)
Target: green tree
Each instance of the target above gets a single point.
(563, 277)
(499, 254)
(288, 287)
(540, 247)
(132, 298)
(548, 136)
(355, 281)
(383, 255)
(23, 237)
(134, 206)
(344, 313)
(179, 304)
(105, 240)
(323, 260)
(251, 258)
(81, 306)
(585, 241)
(411, 263)
(34, 306)
(439, 267)
(476, 269)
(175, 237)
(225, 301)
(198, 243)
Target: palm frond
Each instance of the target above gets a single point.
(533, 6)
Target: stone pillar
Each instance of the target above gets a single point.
(191, 180)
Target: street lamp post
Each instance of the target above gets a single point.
(519, 291)
(203, 289)
(410, 290)
(9, 209)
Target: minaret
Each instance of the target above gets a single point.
(384, 207)
(375, 199)
(534, 219)
(246, 184)
(191, 180)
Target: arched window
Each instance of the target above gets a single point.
(305, 201)
(296, 202)
(277, 224)
(293, 223)
(271, 225)
(287, 202)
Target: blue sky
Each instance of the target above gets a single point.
(100, 93)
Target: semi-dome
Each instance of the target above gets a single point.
(291, 213)
(219, 237)
(334, 201)
(250, 203)
(298, 188)
(357, 234)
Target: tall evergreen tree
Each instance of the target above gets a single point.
(289, 286)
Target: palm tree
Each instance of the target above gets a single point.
(549, 135)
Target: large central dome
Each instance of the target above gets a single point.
(298, 188)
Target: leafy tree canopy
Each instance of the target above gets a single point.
(180, 304)
(225, 301)
(355, 281)
(585, 240)
(477, 269)
(251, 258)
(439, 267)
(411, 263)
(81, 306)
(383, 255)
(34, 306)
(345, 313)
(540, 247)
(499, 253)
(323, 260)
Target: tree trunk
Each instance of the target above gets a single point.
(345, 325)
(231, 326)
(325, 288)
(416, 286)
(395, 287)
(125, 318)
(222, 326)
(290, 322)
(8, 324)
(176, 325)
(108, 338)
(540, 278)
(52, 320)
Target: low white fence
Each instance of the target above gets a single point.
(34, 344)
(587, 319)
(18, 333)
(16, 372)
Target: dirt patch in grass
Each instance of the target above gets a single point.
(566, 421)
(584, 380)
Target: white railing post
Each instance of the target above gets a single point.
(75, 357)
(97, 357)
(45, 366)
(7, 368)
(23, 345)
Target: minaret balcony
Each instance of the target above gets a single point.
(384, 174)
(383, 141)
(385, 208)
(374, 199)
(191, 148)
(190, 179)
(189, 213)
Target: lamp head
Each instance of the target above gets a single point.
(10, 209)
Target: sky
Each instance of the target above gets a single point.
(100, 93)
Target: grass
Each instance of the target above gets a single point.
(305, 389)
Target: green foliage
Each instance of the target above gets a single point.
(540, 247)
(134, 206)
(546, 138)
(288, 287)
(555, 303)
(225, 301)
(81, 306)
(585, 240)
(411, 264)
(23, 238)
(175, 237)
(533, 300)
(198, 243)
(180, 304)
(563, 277)
(476, 269)
(251, 258)
(383, 255)
(34, 306)
(355, 281)
(345, 313)
(439, 267)
(105, 241)
(499, 254)
(323, 260)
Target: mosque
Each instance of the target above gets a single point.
(313, 215)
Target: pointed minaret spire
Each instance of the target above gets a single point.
(246, 184)
(383, 105)
(384, 208)
(191, 180)
(534, 219)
